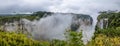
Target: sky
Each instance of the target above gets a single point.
(74, 6)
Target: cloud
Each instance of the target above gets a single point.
(75, 6)
(86, 6)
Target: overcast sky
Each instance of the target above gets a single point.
(75, 6)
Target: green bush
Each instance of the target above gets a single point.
(103, 40)
(13, 39)
(111, 32)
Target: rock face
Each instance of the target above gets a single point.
(108, 19)
(54, 26)
(79, 20)
(102, 23)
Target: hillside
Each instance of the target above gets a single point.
(107, 31)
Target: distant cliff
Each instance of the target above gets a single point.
(108, 19)
(13, 21)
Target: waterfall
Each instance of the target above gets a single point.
(103, 23)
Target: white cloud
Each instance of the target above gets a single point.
(86, 6)
(76, 6)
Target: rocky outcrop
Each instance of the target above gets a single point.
(102, 23)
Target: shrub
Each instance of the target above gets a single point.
(111, 32)
(13, 39)
(103, 40)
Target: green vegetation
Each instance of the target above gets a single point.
(113, 28)
(41, 13)
(14, 39)
(17, 17)
(18, 39)
(103, 40)
(113, 18)
(111, 32)
(109, 36)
